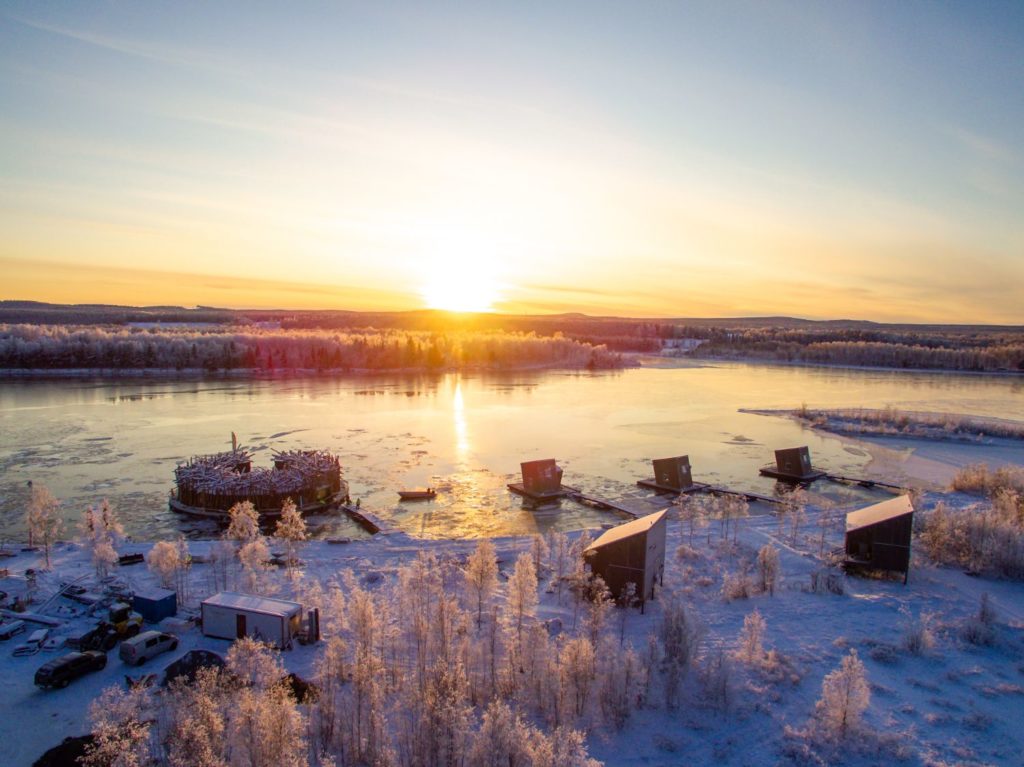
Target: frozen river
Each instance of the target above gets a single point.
(464, 434)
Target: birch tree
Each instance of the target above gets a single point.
(43, 519)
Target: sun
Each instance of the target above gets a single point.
(460, 276)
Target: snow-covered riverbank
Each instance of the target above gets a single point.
(955, 703)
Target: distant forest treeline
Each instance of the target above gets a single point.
(56, 347)
(424, 339)
(952, 349)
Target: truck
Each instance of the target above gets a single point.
(120, 623)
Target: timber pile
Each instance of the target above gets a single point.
(221, 480)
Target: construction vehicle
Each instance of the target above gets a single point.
(121, 623)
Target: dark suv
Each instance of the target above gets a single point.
(59, 671)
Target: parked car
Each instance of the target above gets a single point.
(188, 665)
(10, 628)
(59, 671)
(139, 649)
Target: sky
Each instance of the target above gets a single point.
(824, 160)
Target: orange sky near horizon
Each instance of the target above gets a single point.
(649, 162)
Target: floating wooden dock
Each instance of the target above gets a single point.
(748, 495)
(605, 505)
(796, 479)
(365, 519)
(650, 484)
(563, 492)
(863, 482)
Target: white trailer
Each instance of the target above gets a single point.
(229, 615)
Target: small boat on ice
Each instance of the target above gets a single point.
(417, 494)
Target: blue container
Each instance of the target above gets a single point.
(155, 604)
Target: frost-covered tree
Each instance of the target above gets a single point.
(43, 519)
(182, 580)
(104, 556)
(164, 560)
(539, 549)
(559, 555)
(768, 569)
(522, 594)
(716, 680)
(503, 739)
(692, 513)
(751, 647)
(620, 680)
(222, 560)
(196, 720)
(845, 696)
(291, 531)
(99, 527)
(680, 637)
(796, 515)
(482, 575)
(578, 670)
(256, 663)
(245, 522)
(254, 555)
(120, 728)
(266, 729)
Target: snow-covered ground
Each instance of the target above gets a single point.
(956, 703)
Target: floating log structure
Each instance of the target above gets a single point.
(672, 476)
(210, 485)
(542, 481)
(793, 465)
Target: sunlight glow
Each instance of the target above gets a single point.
(460, 275)
(461, 432)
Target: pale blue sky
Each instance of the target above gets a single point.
(814, 159)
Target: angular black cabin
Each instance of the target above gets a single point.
(671, 475)
(878, 537)
(631, 553)
(793, 464)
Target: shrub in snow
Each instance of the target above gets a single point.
(768, 569)
(716, 681)
(979, 629)
(984, 537)
(978, 478)
(918, 637)
(737, 585)
(845, 696)
(751, 649)
(828, 581)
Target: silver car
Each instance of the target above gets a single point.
(148, 644)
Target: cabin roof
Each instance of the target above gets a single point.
(629, 529)
(253, 603)
(879, 512)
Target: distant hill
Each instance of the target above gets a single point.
(36, 312)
